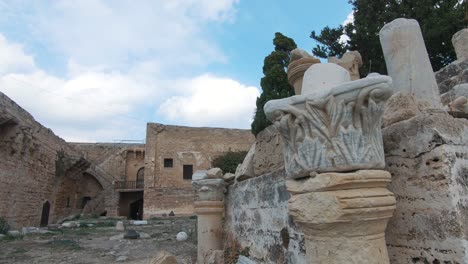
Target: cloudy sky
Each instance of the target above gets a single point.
(99, 70)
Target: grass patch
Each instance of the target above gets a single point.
(64, 244)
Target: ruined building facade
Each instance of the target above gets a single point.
(44, 179)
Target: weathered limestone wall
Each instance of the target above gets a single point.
(257, 216)
(427, 156)
(29, 156)
(165, 188)
(110, 157)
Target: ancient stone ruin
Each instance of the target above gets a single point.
(352, 170)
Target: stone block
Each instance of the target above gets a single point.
(401, 106)
(460, 43)
(454, 93)
(229, 177)
(139, 222)
(246, 169)
(268, 151)
(451, 75)
(120, 226)
(422, 133)
(351, 61)
(214, 173)
(200, 175)
(131, 234)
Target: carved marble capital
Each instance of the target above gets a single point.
(332, 129)
(209, 189)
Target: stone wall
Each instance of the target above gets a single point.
(110, 157)
(165, 187)
(257, 216)
(34, 164)
(428, 159)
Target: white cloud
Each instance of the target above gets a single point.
(93, 31)
(349, 19)
(12, 58)
(212, 101)
(121, 57)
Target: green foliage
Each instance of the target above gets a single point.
(330, 46)
(275, 82)
(4, 226)
(439, 20)
(228, 161)
(60, 164)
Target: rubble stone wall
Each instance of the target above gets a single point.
(256, 215)
(428, 159)
(29, 155)
(165, 187)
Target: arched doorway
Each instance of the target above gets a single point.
(45, 214)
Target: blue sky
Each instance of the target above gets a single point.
(97, 70)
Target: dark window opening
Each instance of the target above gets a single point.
(68, 201)
(168, 163)
(188, 171)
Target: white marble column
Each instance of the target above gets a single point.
(408, 62)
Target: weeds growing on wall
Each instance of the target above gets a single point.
(4, 227)
(60, 164)
(233, 249)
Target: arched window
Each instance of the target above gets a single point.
(140, 180)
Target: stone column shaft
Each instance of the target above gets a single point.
(343, 216)
(210, 227)
(209, 207)
(408, 62)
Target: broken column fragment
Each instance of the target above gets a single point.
(300, 62)
(408, 62)
(351, 61)
(333, 154)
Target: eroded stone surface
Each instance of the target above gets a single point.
(407, 60)
(268, 151)
(246, 169)
(421, 134)
(401, 106)
(428, 159)
(460, 43)
(451, 75)
(257, 216)
(343, 216)
(351, 61)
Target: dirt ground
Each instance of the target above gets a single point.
(98, 242)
